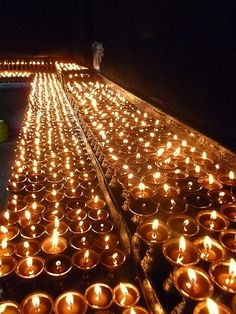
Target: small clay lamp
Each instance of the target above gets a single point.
(220, 197)
(73, 193)
(16, 187)
(33, 231)
(153, 231)
(210, 183)
(183, 225)
(10, 307)
(102, 226)
(210, 249)
(189, 186)
(8, 232)
(30, 267)
(95, 203)
(58, 265)
(55, 177)
(54, 244)
(229, 211)
(223, 273)
(202, 159)
(7, 265)
(107, 241)
(98, 214)
(228, 239)
(85, 260)
(156, 178)
(71, 184)
(210, 306)
(198, 172)
(6, 249)
(76, 214)
(27, 248)
(212, 221)
(173, 205)
(180, 252)
(37, 302)
(59, 225)
(198, 200)
(193, 283)
(167, 165)
(168, 191)
(49, 187)
(126, 295)
(80, 226)
(71, 302)
(113, 259)
(176, 176)
(34, 188)
(52, 214)
(79, 242)
(99, 296)
(26, 218)
(54, 196)
(36, 208)
(228, 181)
(8, 218)
(16, 205)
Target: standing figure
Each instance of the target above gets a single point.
(98, 53)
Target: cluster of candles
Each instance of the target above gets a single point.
(97, 296)
(15, 74)
(56, 217)
(35, 64)
(68, 66)
(177, 195)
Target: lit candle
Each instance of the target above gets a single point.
(126, 295)
(193, 283)
(54, 244)
(211, 307)
(9, 307)
(210, 249)
(6, 249)
(71, 302)
(212, 221)
(30, 267)
(99, 296)
(223, 273)
(39, 302)
(85, 259)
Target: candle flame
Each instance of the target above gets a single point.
(130, 176)
(36, 301)
(34, 205)
(156, 175)
(197, 169)
(166, 187)
(69, 299)
(26, 244)
(160, 151)
(232, 268)
(192, 275)
(211, 179)
(231, 175)
(97, 290)
(27, 215)
(132, 310)
(7, 215)
(56, 222)
(4, 243)
(185, 224)
(207, 243)
(177, 151)
(138, 156)
(182, 244)
(4, 229)
(55, 238)
(54, 192)
(3, 308)
(96, 199)
(123, 289)
(86, 255)
(213, 215)
(29, 262)
(141, 186)
(212, 306)
(114, 258)
(204, 155)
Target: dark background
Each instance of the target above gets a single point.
(179, 52)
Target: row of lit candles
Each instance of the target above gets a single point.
(96, 104)
(21, 209)
(98, 296)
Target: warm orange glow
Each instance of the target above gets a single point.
(213, 215)
(204, 155)
(55, 239)
(114, 258)
(4, 229)
(185, 224)
(207, 243)
(231, 175)
(36, 302)
(166, 187)
(192, 277)
(197, 169)
(98, 291)
(141, 186)
(27, 215)
(96, 198)
(29, 262)
(211, 179)
(212, 306)
(4, 243)
(69, 300)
